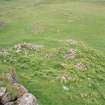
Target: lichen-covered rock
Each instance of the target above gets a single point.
(80, 66)
(71, 54)
(22, 96)
(22, 99)
(10, 103)
(2, 91)
(26, 99)
(6, 98)
(30, 46)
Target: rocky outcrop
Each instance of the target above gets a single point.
(20, 47)
(23, 97)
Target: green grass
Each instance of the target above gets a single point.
(41, 71)
(51, 23)
(80, 20)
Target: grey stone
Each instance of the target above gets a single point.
(26, 99)
(71, 54)
(6, 98)
(2, 91)
(10, 103)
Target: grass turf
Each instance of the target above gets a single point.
(51, 23)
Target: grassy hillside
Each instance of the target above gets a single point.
(40, 21)
(42, 71)
(72, 33)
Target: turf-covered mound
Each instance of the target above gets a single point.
(59, 76)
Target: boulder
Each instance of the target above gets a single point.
(26, 99)
(22, 96)
(22, 99)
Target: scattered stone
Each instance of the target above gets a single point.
(66, 88)
(65, 78)
(65, 81)
(20, 47)
(80, 66)
(3, 52)
(34, 46)
(72, 42)
(71, 54)
(83, 95)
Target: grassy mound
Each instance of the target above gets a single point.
(73, 73)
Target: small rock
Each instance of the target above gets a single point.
(34, 46)
(3, 52)
(80, 66)
(2, 91)
(66, 88)
(72, 42)
(26, 99)
(71, 54)
(20, 47)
